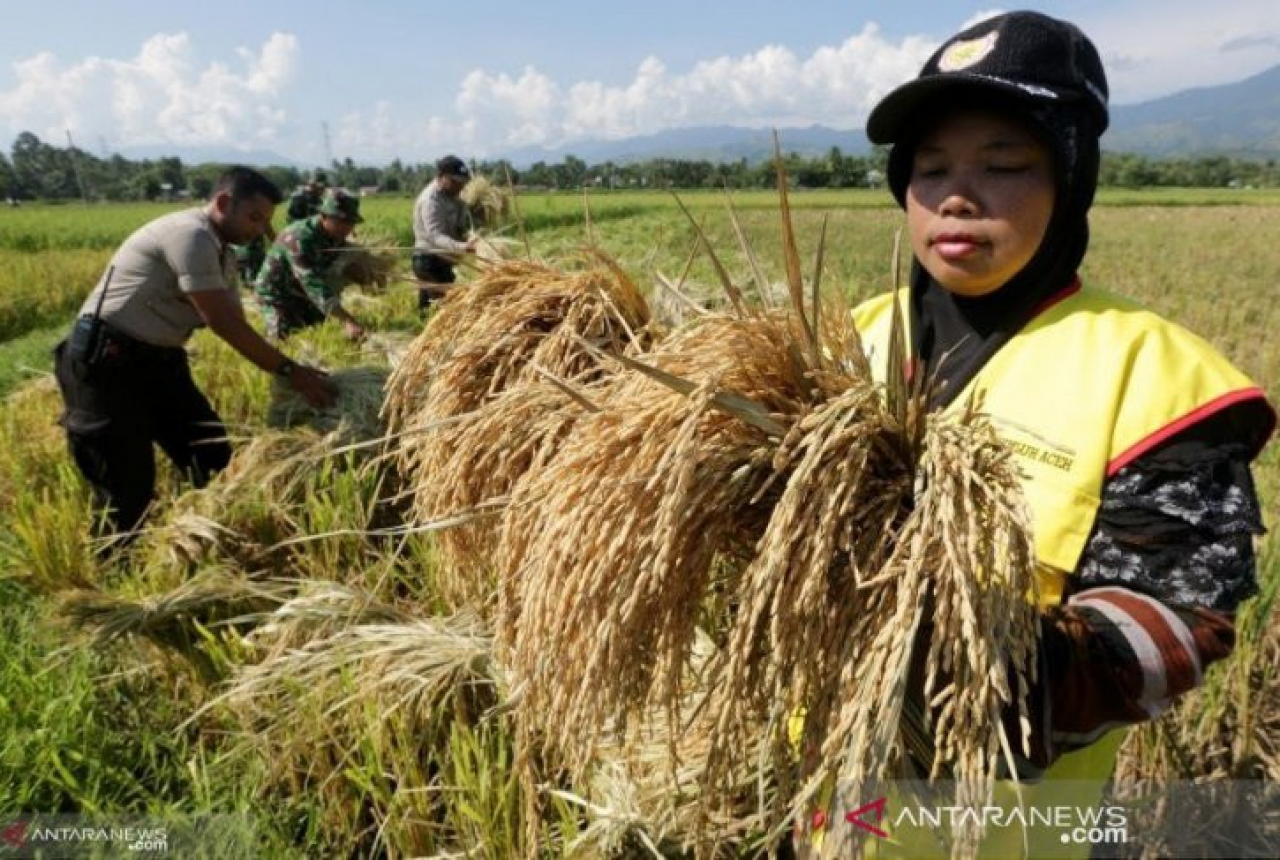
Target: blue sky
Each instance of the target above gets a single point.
(392, 78)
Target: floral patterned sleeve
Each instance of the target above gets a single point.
(1170, 559)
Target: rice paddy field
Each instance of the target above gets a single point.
(301, 661)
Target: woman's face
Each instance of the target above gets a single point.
(979, 200)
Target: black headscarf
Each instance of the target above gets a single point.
(954, 336)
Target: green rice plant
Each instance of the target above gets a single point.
(28, 357)
(47, 288)
(46, 543)
(72, 737)
(481, 790)
(40, 228)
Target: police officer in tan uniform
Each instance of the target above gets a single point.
(124, 375)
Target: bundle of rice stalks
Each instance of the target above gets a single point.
(478, 461)
(183, 621)
(488, 202)
(835, 622)
(246, 511)
(517, 314)
(371, 267)
(353, 416)
(470, 407)
(364, 718)
(609, 549)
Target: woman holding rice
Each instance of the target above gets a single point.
(1134, 436)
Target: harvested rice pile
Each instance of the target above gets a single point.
(243, 513)
(610, 548)
(779, 475)
(492, 384)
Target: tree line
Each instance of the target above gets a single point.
(36, 170)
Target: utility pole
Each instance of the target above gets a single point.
(328, 149)
(75, 165)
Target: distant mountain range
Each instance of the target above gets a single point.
(720, 143)
(1240, 119)
(209, 155)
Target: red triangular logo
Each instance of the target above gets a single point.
(15, 834)
(855, 817)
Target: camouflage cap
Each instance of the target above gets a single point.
(340, 203)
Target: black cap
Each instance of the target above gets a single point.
(451, 165)
(1024, 55)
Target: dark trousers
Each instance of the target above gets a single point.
(432, 269)
(136, 397)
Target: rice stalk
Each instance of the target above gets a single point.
(609, 549)
(485, 360)
(181, 620)
(488, 203)
(478, 460)
(362, 718)
(354, 414)
(874, 579)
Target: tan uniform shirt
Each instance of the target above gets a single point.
(154, 270)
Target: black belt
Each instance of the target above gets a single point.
(125, 346)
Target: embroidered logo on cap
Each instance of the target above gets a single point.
(970, 52)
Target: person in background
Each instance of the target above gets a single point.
(299, 284)
(124, 375)
(250, 256)
(306, 198)
(440, 226)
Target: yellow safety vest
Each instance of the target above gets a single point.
(1085, 388)
(1090, 384)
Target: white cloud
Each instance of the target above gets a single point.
(835, 85)
(157, 97)
(979, 16)
(1153, 51)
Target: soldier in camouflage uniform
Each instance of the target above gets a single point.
(250, 256)
(299, 285)
(306, 199)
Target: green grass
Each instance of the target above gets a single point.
(28, 356)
